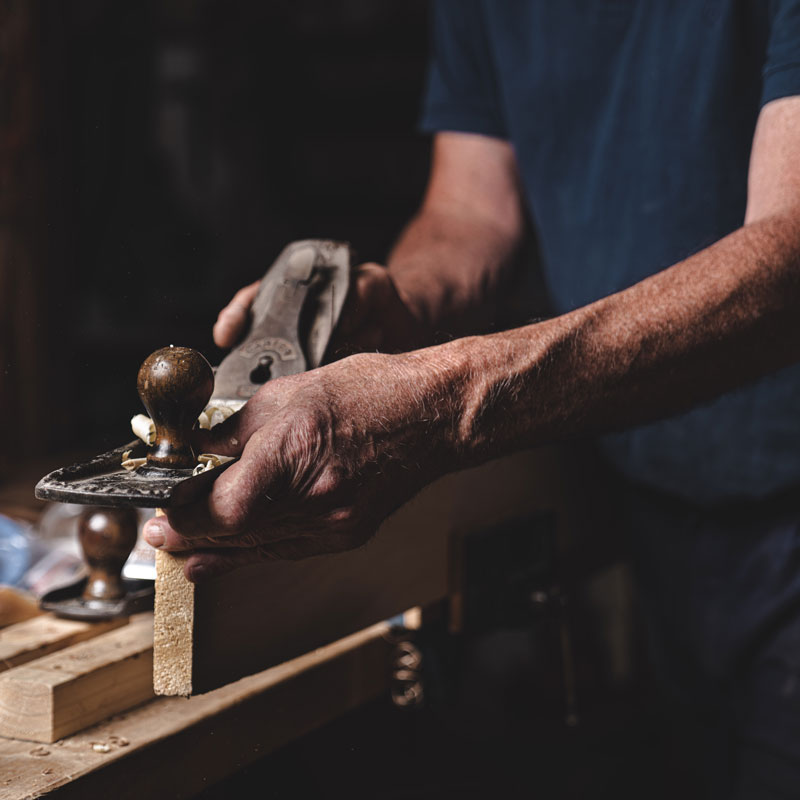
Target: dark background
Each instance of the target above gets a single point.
(156, 156)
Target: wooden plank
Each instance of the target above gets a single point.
(183, 746)
(34, 638)
(66, 691)
(262, 615)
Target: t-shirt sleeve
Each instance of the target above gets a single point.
(461, 93)
(781, 76)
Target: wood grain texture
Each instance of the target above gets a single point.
(34, 638)
(182, 746)
(262, 615)
(69, 690)
(173, 637)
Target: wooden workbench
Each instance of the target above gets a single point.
(175, 747)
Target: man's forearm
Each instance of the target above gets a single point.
(448, 269)
(721, 318)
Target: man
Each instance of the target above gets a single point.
(657, 147)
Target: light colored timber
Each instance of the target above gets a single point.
(267, 613)
(174, 635)
(73, 688)
(182, 746)
(34, 638)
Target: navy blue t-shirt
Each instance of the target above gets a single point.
(632, 123)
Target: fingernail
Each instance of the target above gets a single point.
(154, 533)
(199, 573)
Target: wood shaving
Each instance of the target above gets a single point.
(213, 415)
(205, 462)
(208, 461)
(132, 463)
(144, 428)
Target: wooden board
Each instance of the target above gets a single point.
(262, 615)
(66, 691)
(34, 638)
(182, 746)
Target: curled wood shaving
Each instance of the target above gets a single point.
(208, 461)
(144, 428)
(213, 415)
(131, 464)
(205, 462)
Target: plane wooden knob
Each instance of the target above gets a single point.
(175, 385)
(107, 536)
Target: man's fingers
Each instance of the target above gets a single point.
(222, 512)
(201, 525)
(232, 320)
(358, 307)
(207, 564)
(239, 495)
(161, 535)
(375, 317)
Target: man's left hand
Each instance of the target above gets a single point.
(325, 456)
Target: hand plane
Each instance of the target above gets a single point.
(293, 316)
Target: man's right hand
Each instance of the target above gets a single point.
(444, 270)
(374, 318)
